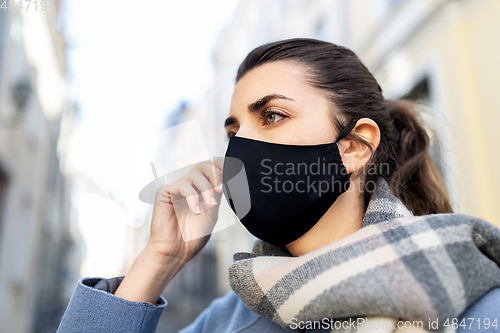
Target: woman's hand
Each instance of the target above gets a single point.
(185, 213)
(181, 226)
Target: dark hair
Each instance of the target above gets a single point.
(404, 144)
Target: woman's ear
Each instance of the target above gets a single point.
(355, 154)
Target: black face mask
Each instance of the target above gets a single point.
(279, 192)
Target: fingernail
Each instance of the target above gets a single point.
(213, 201)
(219, 186)
(198, 210)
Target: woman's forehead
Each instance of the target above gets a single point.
(279, 78)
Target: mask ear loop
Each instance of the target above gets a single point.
(346, 130)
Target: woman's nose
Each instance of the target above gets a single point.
(245, 133)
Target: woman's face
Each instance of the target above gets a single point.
(274, 103)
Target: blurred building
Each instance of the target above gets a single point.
(36, 119)
(443, 52)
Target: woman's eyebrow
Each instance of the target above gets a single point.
(257, 105)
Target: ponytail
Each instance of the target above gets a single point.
(416, 180)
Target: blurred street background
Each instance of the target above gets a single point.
(86, 85)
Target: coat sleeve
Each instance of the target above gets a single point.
(483, 315)
(94, 308)
(225, 314)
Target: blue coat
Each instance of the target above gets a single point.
(93, 308)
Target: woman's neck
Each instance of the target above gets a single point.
(343, 218)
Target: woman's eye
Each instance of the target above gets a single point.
(271, 116)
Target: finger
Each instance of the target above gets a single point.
(218, 161)
(162, 196)
(186, 190)
(212, 172)
(205, 187)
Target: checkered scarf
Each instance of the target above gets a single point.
(397, 266)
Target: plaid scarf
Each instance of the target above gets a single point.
(397, 266)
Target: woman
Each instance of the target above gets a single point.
(379, 247)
